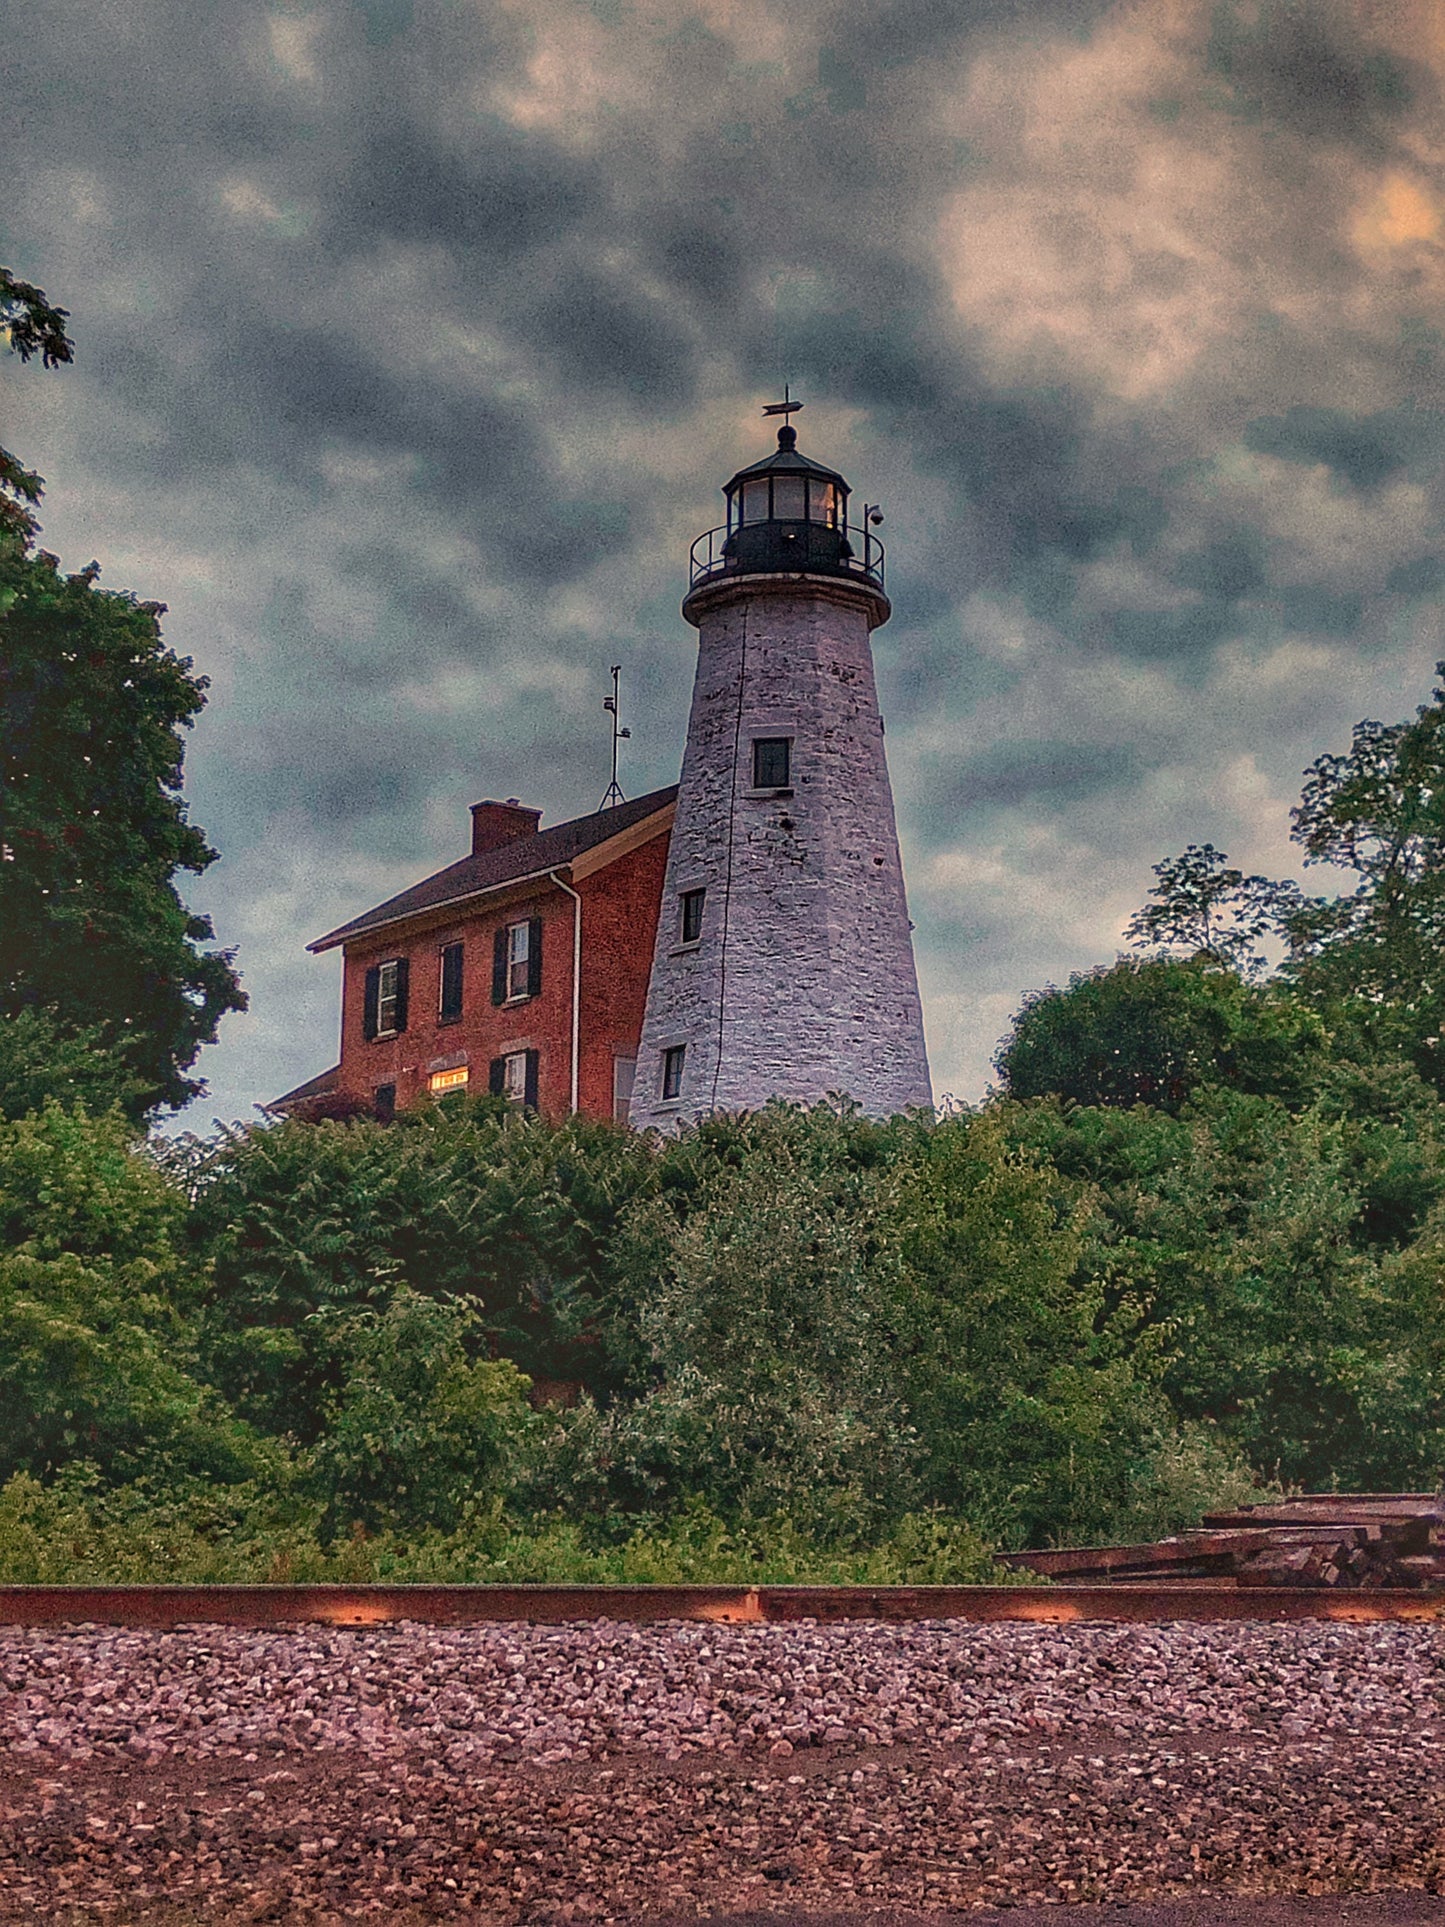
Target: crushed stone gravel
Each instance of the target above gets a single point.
(604, 1771)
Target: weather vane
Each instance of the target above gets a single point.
(614, 788)
(786, 407)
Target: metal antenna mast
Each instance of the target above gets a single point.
(614, 794)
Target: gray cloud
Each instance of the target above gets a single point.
(415, 340)
(1363, 450)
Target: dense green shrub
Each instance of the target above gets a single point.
(419, 1431)
(464, 1199)
(1267, 1248)
(796, 1343)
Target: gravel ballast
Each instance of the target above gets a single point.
(608, 1771)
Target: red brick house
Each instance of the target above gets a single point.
(522, 969)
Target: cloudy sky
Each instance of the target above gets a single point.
(415, 339)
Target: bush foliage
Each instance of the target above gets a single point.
(794, 1344)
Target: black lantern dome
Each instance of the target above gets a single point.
(787, 514)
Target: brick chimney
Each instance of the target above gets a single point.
(494, 824)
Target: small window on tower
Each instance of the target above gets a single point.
(672, 1071)
(692, 901)
(771, 761)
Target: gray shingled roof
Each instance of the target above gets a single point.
(524, 856)
(319, 1086)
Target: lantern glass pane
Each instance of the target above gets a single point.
(822, 502)
(755, 501)
(787, 498)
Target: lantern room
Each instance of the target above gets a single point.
(788, 514)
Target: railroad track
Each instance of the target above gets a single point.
(375, 1605)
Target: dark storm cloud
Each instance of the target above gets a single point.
(502, 193)
(1045, 775)
(597, 331)
(1311, 68)
(1363, 450)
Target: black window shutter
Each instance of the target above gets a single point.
(499, 967)
(534, 959)
(529, 1094)
(371, 1001)
(451, 982)
(496, 1074)
(403, 972)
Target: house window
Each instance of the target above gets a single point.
(449, 1001)
(672, 1071)
(515, 1077)
(384, 999)
(453, 1080)
(517, 961)
(383, 1102)
(692, 915)
(624, 1073)
(518, 950)
(771, 760)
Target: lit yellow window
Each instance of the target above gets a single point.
(448, 1080)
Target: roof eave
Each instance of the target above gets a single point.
(348, 932)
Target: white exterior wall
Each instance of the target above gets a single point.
(803, 981)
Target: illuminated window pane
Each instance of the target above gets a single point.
(822, 502)
(455, 1080)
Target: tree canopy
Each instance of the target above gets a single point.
(1156, 1031)
(106, 993)
(32, 327)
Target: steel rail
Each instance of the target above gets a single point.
(377, 1605)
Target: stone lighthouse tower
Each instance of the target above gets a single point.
(784, 965)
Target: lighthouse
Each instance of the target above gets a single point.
(783, 962)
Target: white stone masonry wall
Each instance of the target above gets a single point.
(803, 981)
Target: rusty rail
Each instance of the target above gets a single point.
(376, 1605)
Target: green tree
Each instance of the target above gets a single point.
(97, 1328)
(1035, 1379)
(464, 1199)
(751, 1333)
(1379, 811)
(93, 933)
(1211, 909)
(33, 327)
(1156, 1030)
(1270, 1249)
(420, 1430)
